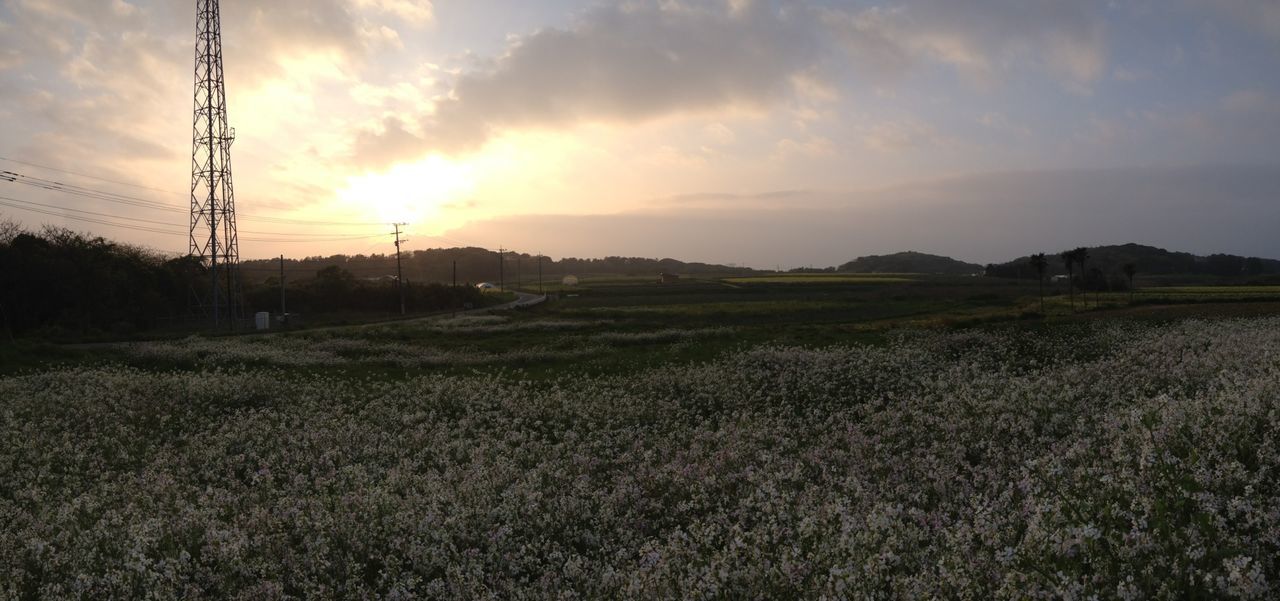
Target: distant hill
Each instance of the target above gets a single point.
(475, 265)
(910, 262)
(1149, 260)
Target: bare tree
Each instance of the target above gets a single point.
(9, 230)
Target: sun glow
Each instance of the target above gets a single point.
(410, 192)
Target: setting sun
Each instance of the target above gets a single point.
(410, 192)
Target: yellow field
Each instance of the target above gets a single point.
(819, 278)
(1214, 290)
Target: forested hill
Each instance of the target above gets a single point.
(1148, 260)
(477, 265)
(910, 262)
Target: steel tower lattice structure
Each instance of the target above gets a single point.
(213, 208)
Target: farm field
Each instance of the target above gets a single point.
(817, 278)
(934, 437)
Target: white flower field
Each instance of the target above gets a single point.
(1116, 460)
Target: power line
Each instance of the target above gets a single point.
(90, 219)
(57, 186)
(38, 204)
(135, 201)
(103, 179)
(330, 235)
(153, 230)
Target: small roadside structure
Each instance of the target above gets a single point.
(668, 278)
(487, 286)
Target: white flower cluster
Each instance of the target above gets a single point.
(478, 324)
(315, 351)
(1119, 460)
(658, 336)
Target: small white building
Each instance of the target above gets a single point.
(487, 286)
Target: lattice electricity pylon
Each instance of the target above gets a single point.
(213, 208)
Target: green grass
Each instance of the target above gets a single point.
(1215, 290)
(802, 310)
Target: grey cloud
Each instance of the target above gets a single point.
(641, 60)
(374, 148)
(979, 37)
(624, 63)
(99, 79)
(984, 218)
(1262, 16)
(631, 62)
(732, 201)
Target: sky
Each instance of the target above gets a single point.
(769, 134)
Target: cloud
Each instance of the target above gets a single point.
(980, 38)
(1262, 16)
(414, 12)
(998, 122)
(1197, 209)
(899, 136)
(1246, 101)
(631, 62)
(386, 145)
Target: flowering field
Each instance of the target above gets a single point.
(1111, 459)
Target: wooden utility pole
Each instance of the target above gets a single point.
(455, 273)
(502, 259)
(283, 314)
(540, 274)
(399, 273)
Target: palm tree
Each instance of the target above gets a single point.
(1082, 257)
(1069, 259)
(1099, 281)
(1040, 264)
(1130, 270)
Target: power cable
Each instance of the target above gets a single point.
(155, 230)
(125, 199)
(169, 223)
(111, 181)
(86, 192)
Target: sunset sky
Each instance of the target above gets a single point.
(743, 131)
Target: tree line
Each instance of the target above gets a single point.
(472, 265)
(1091, 278)
(61, 284)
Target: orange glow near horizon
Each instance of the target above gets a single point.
(409, 192)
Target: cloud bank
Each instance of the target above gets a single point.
(981, 218)
(639, 61)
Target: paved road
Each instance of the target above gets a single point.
(523, 299)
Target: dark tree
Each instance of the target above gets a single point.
(1097, 281)
(1040, 264)
(1254, 266)
(1082, 258)
(1130, 270)
(1069, 260)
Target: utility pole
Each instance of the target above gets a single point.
(455, 273)
(502, 259)
(519, 280)
(283, 315)
(399, 273)
(540, 275)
